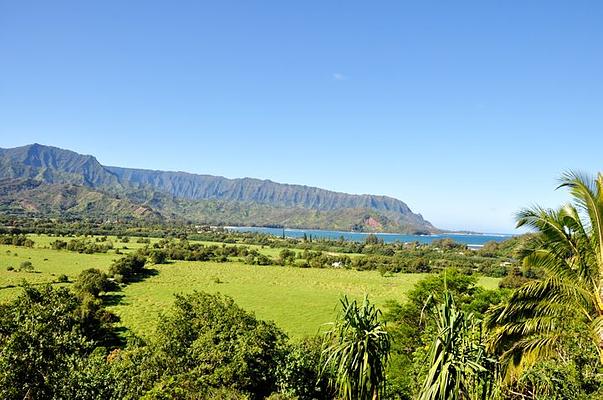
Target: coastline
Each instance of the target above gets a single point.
(469, 239)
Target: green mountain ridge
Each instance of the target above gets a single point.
(31, 197)
(38, 179)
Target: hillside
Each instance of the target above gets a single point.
(198, 198)
(203, 187)
(29, 197)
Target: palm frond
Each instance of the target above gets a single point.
(568, 247)
(459, 365)
(356, 351)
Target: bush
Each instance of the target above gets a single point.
(298, 373)
(63, 278)
(16, 240)
(185, 390)
(158, 257)
(210, 340)
(93, 281)
(282, 396)
(86, 246)
(128, 267)
(256, 258)
(45, 332)
(26, 266)
(302, 264)
(514, 280)
(286, 256)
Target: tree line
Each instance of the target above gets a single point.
(448, 339)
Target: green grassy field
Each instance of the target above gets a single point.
(48, 265)
(298, 300)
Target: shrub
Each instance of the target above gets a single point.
(299, 375)
(16, 240)
(158, 257)
(44, 331)
(210, 340)
(26, 266)
(93, 281)
(128, 267)
(286, 256)
(514, 280)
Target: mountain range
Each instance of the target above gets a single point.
(39, 180)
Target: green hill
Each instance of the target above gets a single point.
(44, 180)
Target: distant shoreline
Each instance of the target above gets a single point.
(452, 233)
(472, 240)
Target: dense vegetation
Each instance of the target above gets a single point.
(181, 242)
(537, 336)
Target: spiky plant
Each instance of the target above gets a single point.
(356, 351)
(569, 249)
(459, 368)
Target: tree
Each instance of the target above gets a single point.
(532, 325)
(128, 267)
(574, 374)
(356, 351)
(44, 334)
(206, 341)
(158, 256)
(373, 239)
(459, 367)
(412, 333)
(26, 266)
(448, 244)
(286, 256)
(298, 372)
(93, 281)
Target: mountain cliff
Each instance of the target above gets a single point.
(53, 165)
(204, 198)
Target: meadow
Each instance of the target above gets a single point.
(299, 300)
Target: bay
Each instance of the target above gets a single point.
(473, 240)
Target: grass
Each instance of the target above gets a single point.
(48, 265)
(298, 300)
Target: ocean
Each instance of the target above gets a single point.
(473, 240)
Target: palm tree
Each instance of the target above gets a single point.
(459, 365)
(569, 249)
(356, 351)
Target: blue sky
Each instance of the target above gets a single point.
(467, 111)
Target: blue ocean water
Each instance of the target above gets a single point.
(468, 239)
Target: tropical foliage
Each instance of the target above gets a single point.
(413, 328)
(541, 335)
(533, 324)
(356, 351)
(460, 368)
(45, 335)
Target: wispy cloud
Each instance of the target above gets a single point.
(339, 76)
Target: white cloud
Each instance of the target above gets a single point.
(339, 76)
